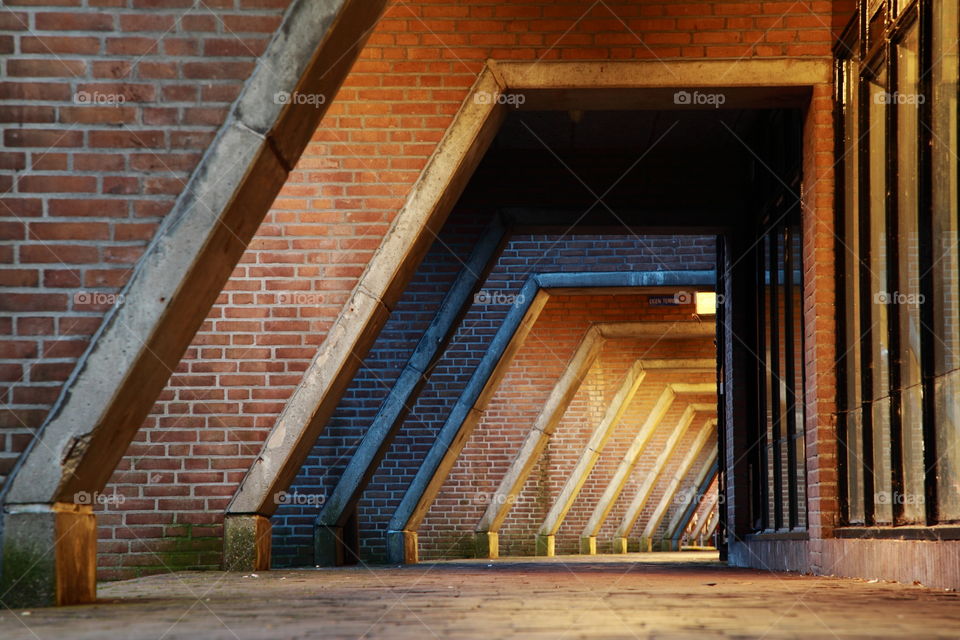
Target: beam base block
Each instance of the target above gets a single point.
(246, 543)
(546, 545)
(588, 545)
(619, 545)
(328, 548)
(402, 547)
(49, 555)
(646, 545)
(487, 544)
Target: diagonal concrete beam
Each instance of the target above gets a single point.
(714, 521)
(191, 257)
(629, 460)
(328, 535)
(543, 427)
(174, 285)
(650, 479)
(706, 436)
(710, 505)
(705, 477)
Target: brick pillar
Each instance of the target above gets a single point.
(820, 311)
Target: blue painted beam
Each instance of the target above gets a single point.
(468, 397)
(415, 373)
(605, 279)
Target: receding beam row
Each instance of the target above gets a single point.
(488, 528)
(588, 543)
(629, 460)
(556, 405)
(591, 452)
(470, 410)
(640, 499)
(686, 465)
(709, 521)
(701, 484)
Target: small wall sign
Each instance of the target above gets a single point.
(663, 301)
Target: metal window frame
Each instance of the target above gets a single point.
(721, 287)
(843, 51)
(776, 502)
(925, 213)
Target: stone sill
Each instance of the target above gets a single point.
(934, 533)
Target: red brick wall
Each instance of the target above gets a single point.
(88, 186)
(105, 109)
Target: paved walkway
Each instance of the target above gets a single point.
(637, 596)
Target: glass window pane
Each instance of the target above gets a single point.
(882, 481)
(908, 294)
(851, 279)
(880, 297)
(855, 466)
(946, 271)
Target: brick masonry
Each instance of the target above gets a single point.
(106, 106)
(88, 182)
